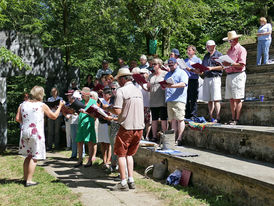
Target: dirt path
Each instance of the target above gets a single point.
(92, 184)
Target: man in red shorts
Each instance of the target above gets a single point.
(130, 110)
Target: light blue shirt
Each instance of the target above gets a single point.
(265, 28)
(177, 94)
(193, 60)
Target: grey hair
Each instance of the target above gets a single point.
(158, 61)
(94, 95)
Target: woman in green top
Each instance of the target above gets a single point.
(86, 130)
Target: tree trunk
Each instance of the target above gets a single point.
(66, 34)
(165, 42)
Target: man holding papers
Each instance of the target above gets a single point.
(212, 81)
(176, 95)
(236, 77)
(129, 107)
(193, 85)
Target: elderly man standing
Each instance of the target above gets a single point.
(236, 76)
(129, 107)
(212, 81)
(176, 95)
(105, 70)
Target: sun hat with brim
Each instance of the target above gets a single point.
(123, 72)
(85, 91)
(231, 35)
(70, 92)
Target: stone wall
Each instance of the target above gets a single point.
(46, 62)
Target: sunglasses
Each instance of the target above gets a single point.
(230, 41)
(171, 65)
(154, 64)
(113, 88)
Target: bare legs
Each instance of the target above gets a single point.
(235, 107)
(29, 168)
(123, 162)
(178, 126)
(92, 150)
(214, 105)
(106, 152)
(155, 127)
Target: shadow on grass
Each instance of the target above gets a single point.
(10, 150)
(91, 177)
(10, 181)
(211, 198)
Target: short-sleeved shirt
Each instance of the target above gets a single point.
(263, 29)
(193, 60)
(157, 94)
(177, 94)
(238, 55)
(102, 71)
(130, 100)
(209, 61)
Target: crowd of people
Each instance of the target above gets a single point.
(134, 108)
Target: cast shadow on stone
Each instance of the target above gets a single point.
(91, 177)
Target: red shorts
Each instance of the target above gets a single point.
(127, 142)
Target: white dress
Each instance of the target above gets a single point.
(32, 138)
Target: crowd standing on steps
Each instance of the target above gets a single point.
(163, 100)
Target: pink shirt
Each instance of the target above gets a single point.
(237, 54)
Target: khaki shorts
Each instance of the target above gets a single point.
(235, 86)
(212, 89)
(176, 110)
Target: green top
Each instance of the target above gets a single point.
(86, 129)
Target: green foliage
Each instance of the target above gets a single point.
(16, 87)
(8, 57)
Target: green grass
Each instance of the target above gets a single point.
(178, 195)
(49, 192)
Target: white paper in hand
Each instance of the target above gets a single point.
(181, 63)
(170, 80)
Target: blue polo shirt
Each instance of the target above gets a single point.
(193, 60)
(177, 94)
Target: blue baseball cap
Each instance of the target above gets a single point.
(172, 60)
(176, 52)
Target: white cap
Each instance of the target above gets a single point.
(210, 43)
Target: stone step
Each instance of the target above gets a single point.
(254, 142)
(248, 183)
(256, 78)
(256, 90)
(250, 69)
(253, 113)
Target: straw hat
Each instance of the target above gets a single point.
(231, 35)
(123, 72)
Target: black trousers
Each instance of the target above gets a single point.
(192, 96)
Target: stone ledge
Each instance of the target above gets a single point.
(247, 182)
(253, 142)
(253, 113)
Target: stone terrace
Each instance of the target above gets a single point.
(235, 160)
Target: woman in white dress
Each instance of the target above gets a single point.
(32, 139)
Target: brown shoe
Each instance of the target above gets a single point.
(120, 187)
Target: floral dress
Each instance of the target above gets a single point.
(32, 138)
